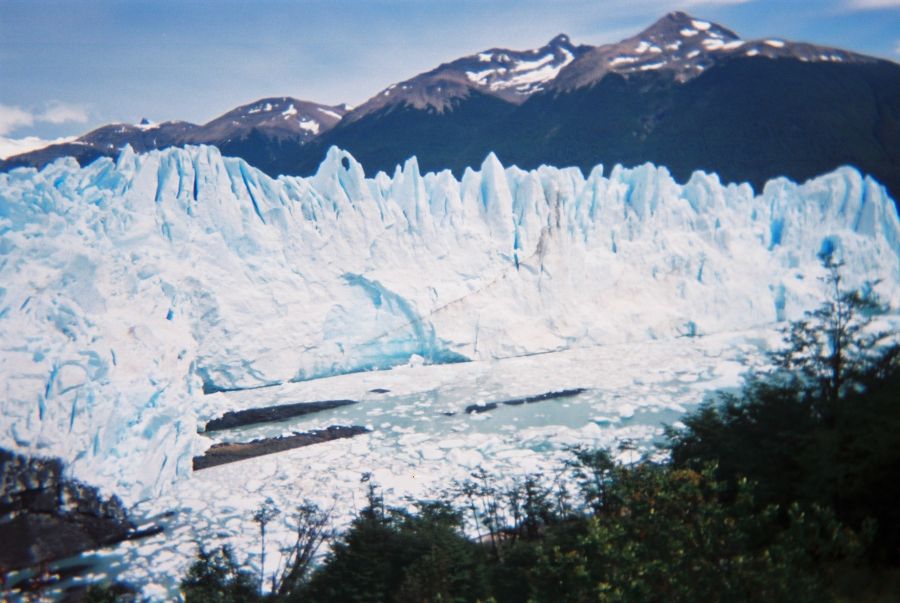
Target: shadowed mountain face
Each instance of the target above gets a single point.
(684, 93)
(747, 119)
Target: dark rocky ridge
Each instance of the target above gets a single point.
(228, 452)
(271, 414)
(566, 393)
(45, 516)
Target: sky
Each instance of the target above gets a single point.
(67, 66)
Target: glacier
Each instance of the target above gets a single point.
(136, 293)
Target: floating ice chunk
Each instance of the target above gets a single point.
(626, 411)
(605, 420)
(431, 453)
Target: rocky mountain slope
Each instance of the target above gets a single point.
(684, 93)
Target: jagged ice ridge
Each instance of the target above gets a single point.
(129, 288)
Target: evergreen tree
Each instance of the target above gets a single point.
(391, 555)
(215, 578)
(821, 427)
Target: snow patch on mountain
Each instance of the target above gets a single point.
(512, 75)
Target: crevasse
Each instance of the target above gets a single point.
(130, 289)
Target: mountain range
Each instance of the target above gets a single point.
(684, 93)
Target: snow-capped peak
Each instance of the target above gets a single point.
(522, 75)
(278, 117)
(145, 124)
(685, 46)
(512, 75)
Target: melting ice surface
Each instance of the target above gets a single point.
(415, 450)
(138, 297)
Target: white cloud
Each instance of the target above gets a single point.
(688, 3)
(631, 8)
(872, 4)
(60, 113)
(669, 5)
(15, 146)
(12, 118)
(55, 112)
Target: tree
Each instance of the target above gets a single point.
(820, 429)
(311, 534)
(663, 534)
(263, 515)
(115, 592)
(390, 555)
(593, 470)
(834, 348)
(215, 578)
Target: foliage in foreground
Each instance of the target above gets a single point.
(215, 577)
(656, 533)
(821, 428)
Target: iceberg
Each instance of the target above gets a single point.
(133, 292)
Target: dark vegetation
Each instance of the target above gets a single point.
(786, 491)
(822, 430)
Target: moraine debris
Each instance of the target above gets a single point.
(566, 393)
(230, 452)
(272, 414)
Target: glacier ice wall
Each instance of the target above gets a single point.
(130, 288)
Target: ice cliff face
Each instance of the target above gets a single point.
(130, 287)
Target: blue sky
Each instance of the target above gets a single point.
(67, 66)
